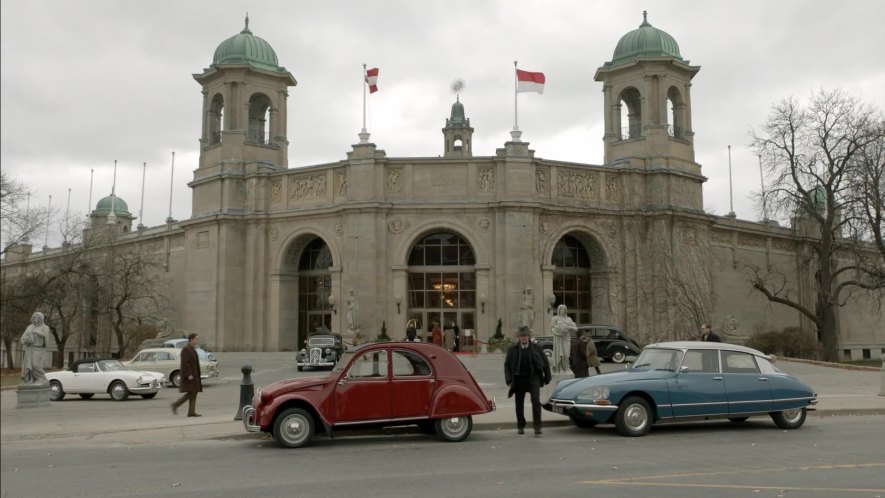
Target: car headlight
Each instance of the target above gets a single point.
(596, 392)
(303, 351)
(139, 380)
(327, 351)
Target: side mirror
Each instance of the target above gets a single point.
(683, 369)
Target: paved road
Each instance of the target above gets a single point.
(830, 456)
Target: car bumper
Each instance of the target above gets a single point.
(317, 364)
(248, 419)
(147, 388)
(586, 410)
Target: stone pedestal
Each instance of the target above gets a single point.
(32, 395)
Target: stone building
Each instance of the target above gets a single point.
(270, 253)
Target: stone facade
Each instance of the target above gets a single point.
(270, 253)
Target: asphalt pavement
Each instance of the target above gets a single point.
(841, 391)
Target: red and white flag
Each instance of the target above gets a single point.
(527, 81)
(372, 79)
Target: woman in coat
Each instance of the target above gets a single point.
(436, 334)
(592, 355)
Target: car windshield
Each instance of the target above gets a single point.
(321, 341)
(110, 365)
(659, 359)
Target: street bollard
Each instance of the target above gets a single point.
(882, 377)
(247, 390)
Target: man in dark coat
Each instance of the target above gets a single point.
(577, 359)
(707, 334)
(526, 369)
(190, 377)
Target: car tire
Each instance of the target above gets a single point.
(300, 369)
(619, 355)
(738, 420)
(56, 393)
(634, 417)
(583, 423)
(118, 391)
(789, 419)
(86, 395)
(149, 395)
(175, 379)
(293, 428)
(427, 427)
(454, 429)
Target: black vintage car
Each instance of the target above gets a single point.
(320, 351)
(611, 343)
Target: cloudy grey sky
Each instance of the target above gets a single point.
(88, 82)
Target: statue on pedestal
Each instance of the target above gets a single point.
(563, 327)
(34, 340)
(353, 310)
(527, 310)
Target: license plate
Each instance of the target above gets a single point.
(558, 409)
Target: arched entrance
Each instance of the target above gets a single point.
(314, 289)
(578, 261)
(441, 283)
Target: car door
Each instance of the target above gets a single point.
(412, 385)
(146, 360)
(363, 391)
(748, 389)
(698, 389)
(80, 379)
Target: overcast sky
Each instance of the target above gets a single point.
(88, 82)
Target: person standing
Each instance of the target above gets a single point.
(707, 334)
(411, 331)
(590, 353)
(457, 336)
(34, 341)
(449, 337)
(436, 334)
(577, 359)
(190, 377)
(526, 370)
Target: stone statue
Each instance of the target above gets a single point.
(34, 340)
(563, 327)
(353, 310)
(527, 310)
(163, 330)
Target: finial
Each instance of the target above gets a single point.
(246, 29)
(458, 86)
(645, 18)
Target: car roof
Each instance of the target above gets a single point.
(706, 345)
(157, 350)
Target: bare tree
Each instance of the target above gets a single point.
(19, 220)
(814, 155)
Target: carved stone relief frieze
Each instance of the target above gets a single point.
(394, 180)
(544, 227)
(307, 187)
(274, 233)
(339, 228)
(341, 182)
(541, 175)
(721, 237)
(276, 192)
(576, 184)
(689, 236)
(484, 224)
(486, 179)
(784, 245)
(751, 241)
(612, 188)
(176, 241)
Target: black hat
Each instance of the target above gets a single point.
(523, 330)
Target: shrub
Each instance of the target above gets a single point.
(790, 342)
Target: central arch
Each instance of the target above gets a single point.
(580, 278)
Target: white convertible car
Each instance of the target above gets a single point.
(103, 376)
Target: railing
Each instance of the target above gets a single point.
(258, 137)
(675, 131)
(632, 131)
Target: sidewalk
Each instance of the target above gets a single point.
(840, 392)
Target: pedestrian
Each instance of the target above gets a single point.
(457, 336)
(526, 370)
(190, 383)
(707, 334)
(449, 337)
(436, 334)
(577, 359)
(591, 353)
(411, 331)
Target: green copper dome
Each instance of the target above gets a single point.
(103, 208)
(246, 48)
(457, 119)
(646, 41)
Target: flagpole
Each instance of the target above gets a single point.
(169, 219)
(515, 134)
(364, 134)
(112, 217)
(89, 207)
(730, 189)
(48, 219)
(141, 208)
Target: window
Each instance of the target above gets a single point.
(571, 279)
(409, 364)
(735, 362)
(86, 368)
(373, 364)
(164, 356)
(701, 360)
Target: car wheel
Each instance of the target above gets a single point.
(175, 379)
(86, 395)
(619, 355)
(149, 396)
(454, 429)
(427, 427)
(56, 393)
(549, 353)
(583, 423)
(118, 391)
(634, 417)
(293, 428)
(738, 420)
(789, 419)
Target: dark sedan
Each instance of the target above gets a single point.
(611, 343)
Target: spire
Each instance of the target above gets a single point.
(246, 29)
(644, 19)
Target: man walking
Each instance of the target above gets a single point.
(707, 334)
(526, 369)
(190, 377)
